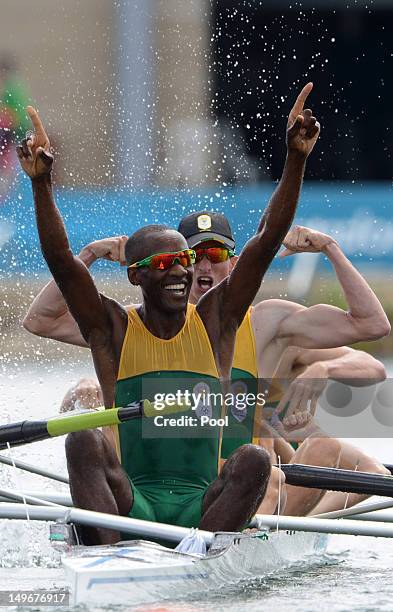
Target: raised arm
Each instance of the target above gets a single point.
(69, 272)
(239, 289)
(48, 315)
(324, 326)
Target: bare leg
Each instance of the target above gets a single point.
(233, 498)
(324, 452)
(351, 458)
(97, 481)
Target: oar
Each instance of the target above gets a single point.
(23, 432)
(33, 469)
(342, 526)
(26, 498)
(135, 527)
(333, 479)
(59, 499)
(358, 512)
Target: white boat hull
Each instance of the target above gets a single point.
(141, 572)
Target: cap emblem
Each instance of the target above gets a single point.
(204, 222)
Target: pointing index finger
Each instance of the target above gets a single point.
(300, 100)
(36, 121)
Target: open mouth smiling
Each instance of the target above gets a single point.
(178, 289)
(205, 282)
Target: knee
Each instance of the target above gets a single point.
(368, 464)
(84, 446)
(322, 451)
(251, 466)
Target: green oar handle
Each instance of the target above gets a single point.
(60, 426)
(32, 431)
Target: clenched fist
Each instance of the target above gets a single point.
(305, 240)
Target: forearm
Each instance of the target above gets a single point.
(48, 314)
(362, 302)
(53, 237)
(69, 272)
(355, 368)
(281, 209)
(245, 279)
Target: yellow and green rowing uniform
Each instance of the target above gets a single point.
(169, 472)
(244, 423)
(242, 420)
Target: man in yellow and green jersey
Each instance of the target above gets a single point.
(131, 349)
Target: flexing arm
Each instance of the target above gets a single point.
(236, 293)
(324, 326)
(48, 315)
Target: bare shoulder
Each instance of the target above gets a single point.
(266, 319)
(273, 311)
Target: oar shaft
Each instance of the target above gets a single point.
(342, 526)
(58, 499)
(135, 527)
(27, 467)
(315, 477)
(25, 497)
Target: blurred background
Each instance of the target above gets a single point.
(156, 108)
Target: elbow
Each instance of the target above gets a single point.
(34, 326)
(381, 328)
(380, 371)
(375, 369)
(373, 328)
(30, 324)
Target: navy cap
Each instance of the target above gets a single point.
(206, 225)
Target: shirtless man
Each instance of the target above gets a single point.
(305, 373)
(159, 484)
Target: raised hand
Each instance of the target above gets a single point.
(302, 128)
(109, 248)
(305, 240)
(34, 150)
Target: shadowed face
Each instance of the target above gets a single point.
(207, 274)
(166, 289)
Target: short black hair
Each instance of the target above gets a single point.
(136, 244)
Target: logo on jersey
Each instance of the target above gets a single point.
(203, 406)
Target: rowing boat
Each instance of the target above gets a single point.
(142, 572)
